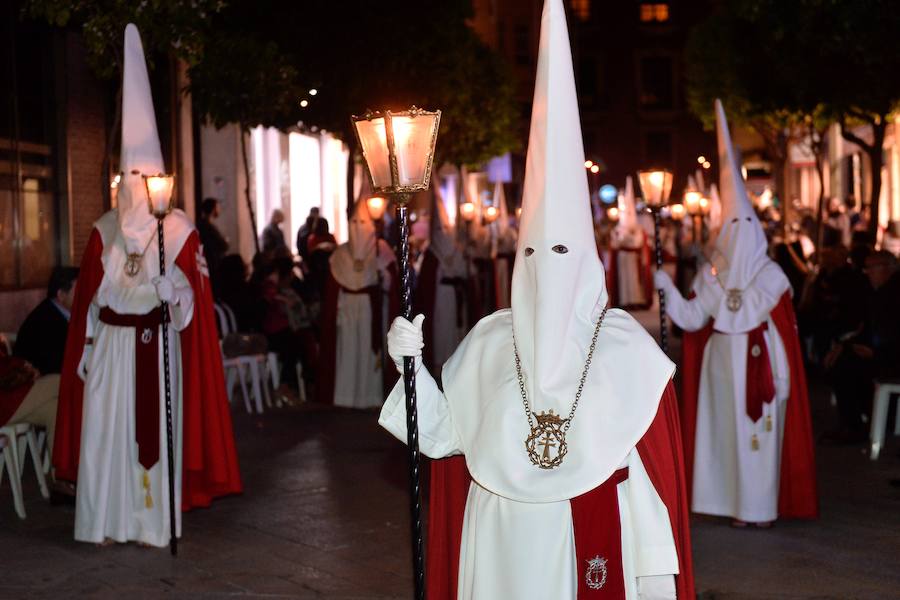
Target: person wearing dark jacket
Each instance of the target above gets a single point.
(42, 337)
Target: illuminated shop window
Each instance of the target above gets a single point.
(654, 12)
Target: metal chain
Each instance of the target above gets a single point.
(584, 374)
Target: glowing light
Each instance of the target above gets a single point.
(588, 164)
(491, 213)
(595, 169)
(677, 211)
(376, 206)
(692, 202)
(313, 92)
(304, 103)
(467, 211)
(115, 182)
(612, 213)
(707, 165)
(608, 193)
(701, 159)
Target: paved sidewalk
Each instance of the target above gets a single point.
(325, 516)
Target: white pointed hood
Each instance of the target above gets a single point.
(739, 259)
(504, 239)
(442, 236)
(354, 264)
(556, 297)
(741, 240)
(628, 218)
(715, 209)
(140, 150)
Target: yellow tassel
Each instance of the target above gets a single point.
(754, 442)
(768, 422)
(148, 499)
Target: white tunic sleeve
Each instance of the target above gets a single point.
(687, 314)
(654, 543)
(781, 371)
(437, 435)
(181, 310)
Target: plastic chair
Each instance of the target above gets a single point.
(884, 390)
(255, 364)
(11, 436)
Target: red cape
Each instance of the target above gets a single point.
(660, 451)
(797, 495)
(327, 370)
(209, 460)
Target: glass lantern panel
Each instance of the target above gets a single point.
(412, 143)
(655, 187)
(373, 139)
(159, 190)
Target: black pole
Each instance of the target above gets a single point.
(173, 540)
(663, 333)
(412, 419)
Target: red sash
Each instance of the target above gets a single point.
(146, 380)
(760, 381)
(598, 541)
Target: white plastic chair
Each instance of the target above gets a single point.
(884, 390)
(14, 461)
(237, 366)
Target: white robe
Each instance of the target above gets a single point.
(629, 270)
(730, 478)
(358, 379)
(110, 498)
(526, 549)
(447, 334)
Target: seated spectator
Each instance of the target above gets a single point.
(868, 353)
(232, 288)
(42, 337)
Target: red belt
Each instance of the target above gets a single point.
(760, 381)
(374, 293)
(146, 380)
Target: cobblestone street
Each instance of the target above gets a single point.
(324, 515)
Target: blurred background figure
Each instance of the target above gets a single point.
(42, 337)
(273, 240)
(215, 246)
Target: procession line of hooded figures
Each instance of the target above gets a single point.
(564, 464)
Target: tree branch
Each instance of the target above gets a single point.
(852, 137)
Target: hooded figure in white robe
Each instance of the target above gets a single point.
(514, 526)
(745, 378)
(631, 253)
(355, 312)
(442, 286)
(503, 247)
(120, 496)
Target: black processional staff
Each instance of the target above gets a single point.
(159, 192)
(656, 185)
(398, 148)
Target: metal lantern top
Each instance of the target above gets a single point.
(398, 148)
(692, 203)
(376, 205)
(159, 193)
(656, 185)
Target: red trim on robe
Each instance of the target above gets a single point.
(646, 275)
(209, 459)
(797, 491)
(660, 451)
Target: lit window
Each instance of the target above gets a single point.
(582, 9)
(656, 12)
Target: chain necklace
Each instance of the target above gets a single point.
(550, 430)
(734, 297)
(134, 260)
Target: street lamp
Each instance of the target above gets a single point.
(656, 185)
(159, 189)
(398, 148)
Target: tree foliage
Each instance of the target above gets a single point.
(778, 65)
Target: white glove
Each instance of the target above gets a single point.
(165, 289)
(406, 339)
(85, 361)
(662, 281)
(656, 587)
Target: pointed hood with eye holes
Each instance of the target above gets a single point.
(558, 293)
(354, 264)
(740, 257)
(140, 153)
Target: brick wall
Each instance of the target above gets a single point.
(86, 129)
